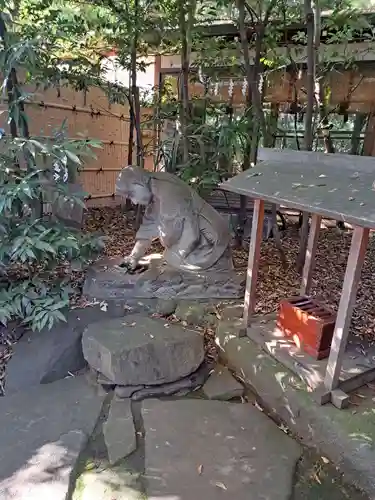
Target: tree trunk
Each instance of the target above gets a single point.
(247, 153)
(255, 98)
(135, 104)
(131, 115)
(309, 117)
(185, 66)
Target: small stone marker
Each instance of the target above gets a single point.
(118, 430)
(138, 350)
(222, 385)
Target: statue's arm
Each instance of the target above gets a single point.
(145, 234)
(149, 227)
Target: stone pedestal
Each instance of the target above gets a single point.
(107, 280)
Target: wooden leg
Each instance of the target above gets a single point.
(348, 295)
(310, 254)
(253, 262)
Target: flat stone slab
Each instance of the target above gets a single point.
(119, 431)
(41, 430)
(199, 449)
(138, 350)
(107, 281)
(222, 385)
(49, 355)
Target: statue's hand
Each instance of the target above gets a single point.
(130, 262)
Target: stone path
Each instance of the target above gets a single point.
(68, 439)
(177, 449)
(86, 437)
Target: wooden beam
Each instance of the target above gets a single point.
(253, 262)
(348, 295)
(312, 243)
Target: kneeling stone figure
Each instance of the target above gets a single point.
(194, 235)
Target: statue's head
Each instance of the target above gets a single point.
(134, 183)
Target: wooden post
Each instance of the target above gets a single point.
(348, 295)
(369, 140)
(308, 267)
(253, 262)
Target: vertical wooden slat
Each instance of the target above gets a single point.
(253, 262)
(308, 267)
(348, 295)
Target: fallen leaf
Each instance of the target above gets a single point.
(221, 485)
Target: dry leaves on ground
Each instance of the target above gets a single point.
(274, 282)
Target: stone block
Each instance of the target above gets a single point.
(50, 355)
(340, 399)
(46, 356)
(222, 385)
(199, 449)
(142, 350)
(119, 431)
(108, 281)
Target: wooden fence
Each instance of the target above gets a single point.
(89, 114)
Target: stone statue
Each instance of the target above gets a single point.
(197, 261)
(194, 235)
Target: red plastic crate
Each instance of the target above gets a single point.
(309, 323)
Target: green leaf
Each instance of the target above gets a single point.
(43, 245)
(73, 157)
